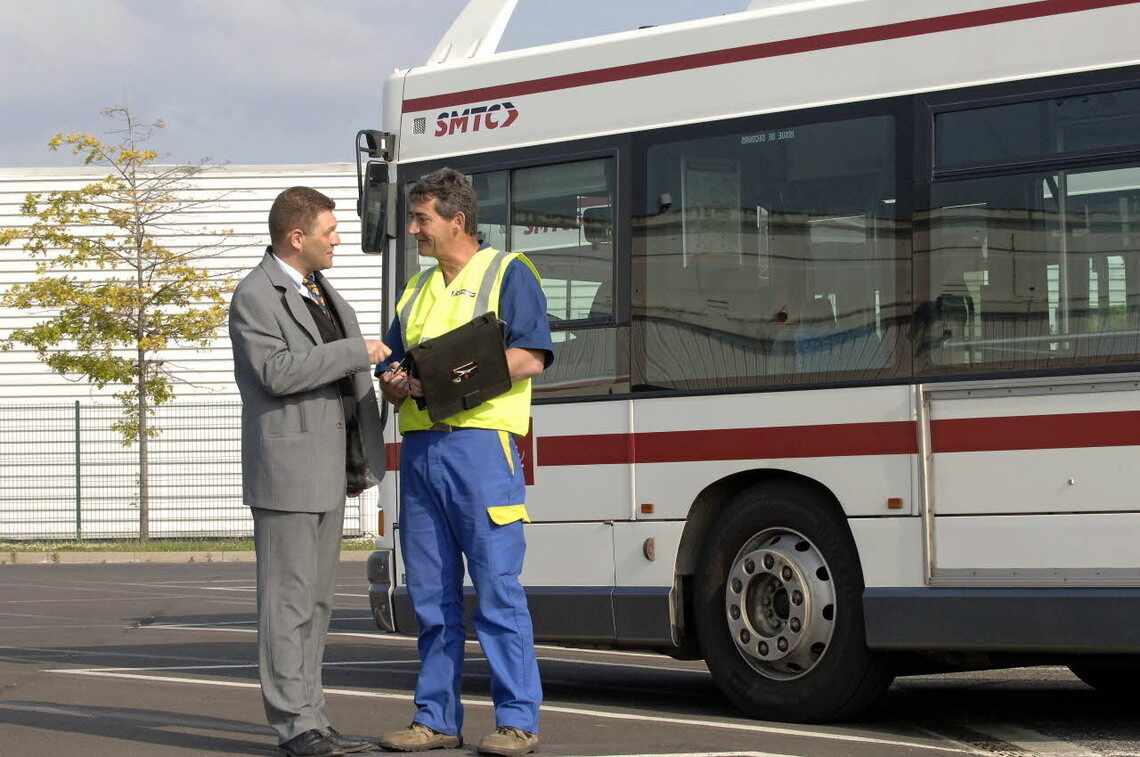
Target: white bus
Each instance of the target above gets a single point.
(846, 301)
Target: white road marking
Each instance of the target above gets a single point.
(234, 629)
(244, 586)
(1032, 742)
(228, 588)
(249, 589)
(248, 626)
(604, 714)
(116, 598)
(408, 641)
(200, 584)
(231, 666)
(608, 664)
(31, 615)
(471, 675)
(114, 587)
(704, 754)
(614, 652)
(60, 626)
(230, 625)
(100, 653)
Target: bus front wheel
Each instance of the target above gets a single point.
(778, 608)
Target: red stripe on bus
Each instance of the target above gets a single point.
(831, 440)
(1068, 431)
(1025, 432)
(846, 38)
(586, 449)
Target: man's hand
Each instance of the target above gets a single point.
(396, 384)
(377, 350)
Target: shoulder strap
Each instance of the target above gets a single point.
(483, 301)
(418, 283)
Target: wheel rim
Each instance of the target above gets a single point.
(780, 604)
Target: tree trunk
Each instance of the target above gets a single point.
(144, 439)
(143, 370)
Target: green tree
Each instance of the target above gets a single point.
(120, 278)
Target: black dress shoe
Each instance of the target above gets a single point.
(309, 744)
(347, 744)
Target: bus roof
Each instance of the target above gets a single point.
(773, 57)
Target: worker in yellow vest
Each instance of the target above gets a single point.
(462, 492)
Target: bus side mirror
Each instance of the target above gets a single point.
(375, 201)
(375, 206)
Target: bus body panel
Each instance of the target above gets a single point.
(791, 431)
(645, 552)
(1026, 482)
(558, 100)
(1053, 451)
(1051, 481)
(893, 549)
(560, 492)
(1046, 620)
(1070, 549)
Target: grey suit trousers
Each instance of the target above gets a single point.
(297, 555)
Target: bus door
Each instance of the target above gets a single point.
(1033, 480)
(576, 457)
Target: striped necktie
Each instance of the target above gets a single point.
(310, 282)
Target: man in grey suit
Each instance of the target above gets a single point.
(311, 435)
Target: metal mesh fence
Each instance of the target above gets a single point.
(65, 474)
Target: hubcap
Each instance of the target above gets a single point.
(780, 603)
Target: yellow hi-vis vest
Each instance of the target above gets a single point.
(428, 308)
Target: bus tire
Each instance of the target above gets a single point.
(1108, 676)
(779, 612)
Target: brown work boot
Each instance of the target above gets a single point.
(508, 741)
(418, 738)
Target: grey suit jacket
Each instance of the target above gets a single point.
(292, 424)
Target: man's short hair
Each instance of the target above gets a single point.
(296, 208)
(452, 194)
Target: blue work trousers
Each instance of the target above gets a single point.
(448, 480)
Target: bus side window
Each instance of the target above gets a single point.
(746, 233)
(561, 218)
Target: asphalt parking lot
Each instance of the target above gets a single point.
(160, 659)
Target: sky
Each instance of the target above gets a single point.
(247, 81)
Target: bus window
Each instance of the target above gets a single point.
(1046, 268)
(770, 256)
(491, 189)
(561, 218)
(1095, 122)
